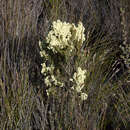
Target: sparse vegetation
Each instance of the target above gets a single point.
(103, 58)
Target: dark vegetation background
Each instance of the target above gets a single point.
(23, 100)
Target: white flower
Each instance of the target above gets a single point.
(79, 78)
(62, 35)
(44, 54)
(83, 96)
(47, 91)
(54, 79)
(59, 36)
(43, 68)
(47, 81)
(78, 88)
(71, 80)
(56, 83)
(40, 45)
(50, 69)
(80, 32)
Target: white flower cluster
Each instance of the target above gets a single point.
(48, 71)
(63, 34)
(50, 79)
(45, 70)
(79, 78)
(79, 35)
(83, 96)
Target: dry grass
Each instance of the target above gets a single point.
(23, 100)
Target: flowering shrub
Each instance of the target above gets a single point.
(63, 36)
(63, 42)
